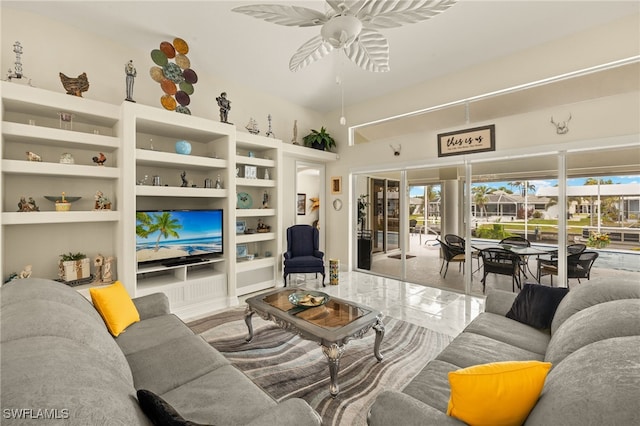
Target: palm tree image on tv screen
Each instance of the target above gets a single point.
(178, 237)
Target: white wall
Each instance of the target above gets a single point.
(51, 47)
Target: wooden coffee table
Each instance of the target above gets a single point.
(332, 325)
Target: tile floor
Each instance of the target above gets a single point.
(440, 310)
(428, 300)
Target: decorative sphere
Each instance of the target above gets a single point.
(183, 147)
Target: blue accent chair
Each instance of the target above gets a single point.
(303, 254)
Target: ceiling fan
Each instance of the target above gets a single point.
(350, 25)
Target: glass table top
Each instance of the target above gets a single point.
(335, 313)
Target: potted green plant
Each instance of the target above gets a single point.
(319, 140)
(74, 266)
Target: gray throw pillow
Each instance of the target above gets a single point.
(536, 305)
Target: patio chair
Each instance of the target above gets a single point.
(303, 254)
(454, 241)
(502, 262)
(520, 242)
(576, 248)
(578, 266)
(450, 254)
(459, 242)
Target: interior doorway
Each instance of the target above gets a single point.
(309, 189)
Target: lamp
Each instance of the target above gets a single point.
(342, 30)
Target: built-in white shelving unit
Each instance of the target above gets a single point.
(258, 171)
(154, 182)
(142, 172)
(31, 122)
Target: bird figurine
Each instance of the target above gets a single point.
(75, 86)
(32, 156)
(100, 159)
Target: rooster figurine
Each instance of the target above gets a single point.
(100, 159)
(75, 86)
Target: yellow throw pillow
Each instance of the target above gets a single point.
(497, 394)
(115, 307)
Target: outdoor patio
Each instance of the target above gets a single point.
(424, 268)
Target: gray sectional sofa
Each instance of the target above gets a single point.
(593, 345)
(60, 363)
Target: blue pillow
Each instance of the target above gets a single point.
(159, 411)
(536, 305)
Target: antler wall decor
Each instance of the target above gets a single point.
(562, 127)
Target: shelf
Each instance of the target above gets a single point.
(161, 268)
(27, 218)
(145, 157)
(255, 142)
(250, 265)
(253, 161)
(56, 169)
(252, 238)
(179, 191)
(169, 124)
(259, 183)
(40, 102)
(60, 138)
(255, 212)
(306, 153)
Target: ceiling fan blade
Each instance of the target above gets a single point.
(390, 14)
(290, 16)
(311, 51)
(349, 6)
(370, 51)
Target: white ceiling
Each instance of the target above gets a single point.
(256, 54)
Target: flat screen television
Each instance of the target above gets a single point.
(174, 237)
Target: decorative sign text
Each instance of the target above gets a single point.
(467, 141)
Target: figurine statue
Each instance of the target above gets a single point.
(18, 75)
(131, 73)
(98, 262)
(218, 182)
(265, 200)
(183, 177)
(75, 85)
(107, 271)
(225, 107)
(102, 202)
(32, 156)
(295, 133)
(25, 273)
(252, 127)
(27, 206)
(100, 159)
(270, 131)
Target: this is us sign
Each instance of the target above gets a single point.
(478, 139)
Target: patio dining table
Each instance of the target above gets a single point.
(522, 251)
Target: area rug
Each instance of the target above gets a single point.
(286, 366)
(398, 256)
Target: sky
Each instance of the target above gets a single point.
(418, 191)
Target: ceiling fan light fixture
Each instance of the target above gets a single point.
(342, 30)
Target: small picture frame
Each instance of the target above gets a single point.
(301, 205)
(336, 185)
(242, 250)
(241, 226)
(250, 172)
